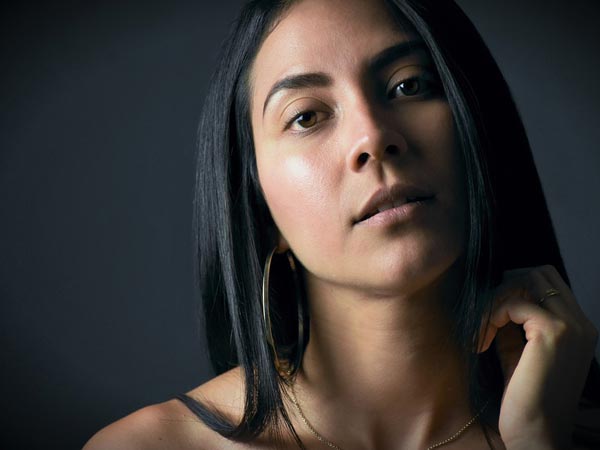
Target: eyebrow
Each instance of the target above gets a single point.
(395, 52)
(320, 79)
(300, 81)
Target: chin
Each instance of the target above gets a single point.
(406, 272)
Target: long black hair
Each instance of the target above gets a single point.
(509, 226)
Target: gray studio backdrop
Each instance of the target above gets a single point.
(98, 115)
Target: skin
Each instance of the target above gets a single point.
(379, 356)
(378, 350)
(406, 139)
(379, 371)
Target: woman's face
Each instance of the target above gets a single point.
(335, 119)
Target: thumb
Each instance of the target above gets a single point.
(509, 347)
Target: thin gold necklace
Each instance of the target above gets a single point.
(332, 445)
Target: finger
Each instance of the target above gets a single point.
(557, 282)
(487, 333)
(513, 305)
(536, 321)
(583, 325)
(509, 347)
(533, 284)
(530, 284)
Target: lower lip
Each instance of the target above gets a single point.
(399, 214)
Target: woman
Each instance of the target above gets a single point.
(378, 266)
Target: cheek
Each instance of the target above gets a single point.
(434, 130)
(434, 135)
(300, 193)
(447, 157)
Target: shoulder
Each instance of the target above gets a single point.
(171, 425)
(147, 428)
(226, 393)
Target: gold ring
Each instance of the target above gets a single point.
(549, 293)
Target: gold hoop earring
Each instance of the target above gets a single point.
(283, 367)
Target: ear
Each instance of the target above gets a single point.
(282, 244)
(273, 234)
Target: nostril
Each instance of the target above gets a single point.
(363, 157)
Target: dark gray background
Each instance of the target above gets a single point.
(98, 112)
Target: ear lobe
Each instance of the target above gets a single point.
(273, 234)
(282, 244)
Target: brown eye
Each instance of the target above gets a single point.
(407, 88)
(306, 119)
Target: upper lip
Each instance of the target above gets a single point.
(396, 194)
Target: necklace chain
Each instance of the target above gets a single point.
(332, 445)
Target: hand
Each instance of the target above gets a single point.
(544, 371)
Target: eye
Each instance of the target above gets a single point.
(411, 87)
(304, 120)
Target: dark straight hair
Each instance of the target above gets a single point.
(509, 225)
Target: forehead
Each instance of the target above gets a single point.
(324, 36)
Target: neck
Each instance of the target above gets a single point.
(383, 372)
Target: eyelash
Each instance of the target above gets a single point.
(298, 114)
(421, 79)
(431, 84)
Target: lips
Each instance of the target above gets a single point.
(391, 197)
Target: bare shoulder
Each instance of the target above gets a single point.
(226, 393)
(151, 427)
(171, 425)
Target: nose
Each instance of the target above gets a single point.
(373, 138)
